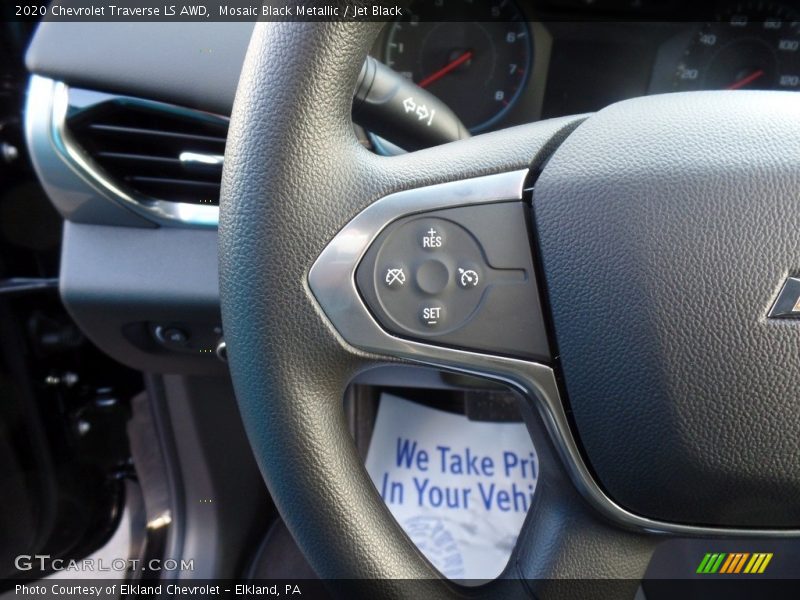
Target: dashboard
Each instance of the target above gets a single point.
(130, 147)
(507, 63)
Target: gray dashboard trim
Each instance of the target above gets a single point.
(332, 282)
(188, 64)
(115, 278)
(73, 179)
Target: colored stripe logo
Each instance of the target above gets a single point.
(734, 563)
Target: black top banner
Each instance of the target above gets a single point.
(381, 10)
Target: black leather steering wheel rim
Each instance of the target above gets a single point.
(295, 178)
(294, 175)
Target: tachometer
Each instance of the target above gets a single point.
(478, 67)
(755, 46)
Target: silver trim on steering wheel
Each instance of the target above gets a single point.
(332, 283)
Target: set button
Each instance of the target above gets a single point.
(432, 314)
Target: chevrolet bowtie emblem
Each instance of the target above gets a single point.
(787, 305)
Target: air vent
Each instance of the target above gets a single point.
(161, 152)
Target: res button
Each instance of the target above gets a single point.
(430, 236)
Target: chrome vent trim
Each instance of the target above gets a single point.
(48, 105)
(155, 150)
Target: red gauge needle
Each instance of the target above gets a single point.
(453, 64)
(744, 81)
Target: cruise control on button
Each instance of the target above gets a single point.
(468, 278)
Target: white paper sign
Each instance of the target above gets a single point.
(459, 488)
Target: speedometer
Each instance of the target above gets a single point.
(478, 67)
(755, 46)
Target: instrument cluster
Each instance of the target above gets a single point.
(507, 62)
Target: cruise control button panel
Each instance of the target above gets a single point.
(460, 277)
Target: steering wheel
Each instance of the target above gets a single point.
(662, 230)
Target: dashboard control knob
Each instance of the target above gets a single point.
(171, 336)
